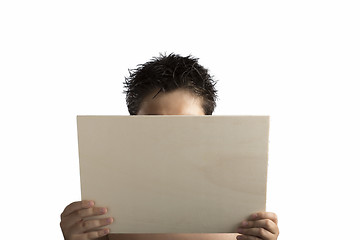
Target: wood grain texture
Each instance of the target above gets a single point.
(174, 174)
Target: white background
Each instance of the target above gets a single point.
(297, 61)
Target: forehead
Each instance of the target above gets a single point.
(177, 102)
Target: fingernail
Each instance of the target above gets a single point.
(240, 230)
(244, 223)
(106, 231)
(239, 237)
(103, 210)
(109, 220)
(254, 215)
(88, 203)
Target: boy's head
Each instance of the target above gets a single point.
(170, 85)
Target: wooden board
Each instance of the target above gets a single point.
(174, 174)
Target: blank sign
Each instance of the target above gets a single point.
(174, 174)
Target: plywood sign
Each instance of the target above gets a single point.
(174, 174)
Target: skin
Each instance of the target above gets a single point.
(178, 102)
(260, 225)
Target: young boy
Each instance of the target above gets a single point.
(167, 85)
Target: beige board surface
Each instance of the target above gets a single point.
(174, 174)
(178, 236)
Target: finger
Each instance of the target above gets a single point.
(89, 212)
(92, 235)
(263, 223)
(244, 237)
(257, 232)
(77, 216)
(85, 226)
(75, 206)
(264, 215)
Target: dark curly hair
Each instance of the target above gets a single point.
(168, 73)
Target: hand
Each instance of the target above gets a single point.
(75, 227)
(261, 225)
